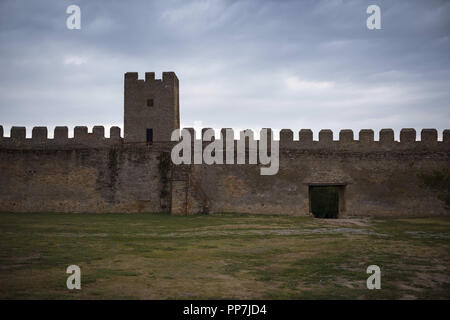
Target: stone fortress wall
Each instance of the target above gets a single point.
(91, 173)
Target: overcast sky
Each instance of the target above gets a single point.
(241, 64)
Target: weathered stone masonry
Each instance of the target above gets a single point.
(91, 173)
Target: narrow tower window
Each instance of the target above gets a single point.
(149, 102)
(149, 135)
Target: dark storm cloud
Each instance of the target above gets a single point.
(241, 64)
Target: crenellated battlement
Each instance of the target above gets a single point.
(39, 137)
(365, 140)
(168, 78)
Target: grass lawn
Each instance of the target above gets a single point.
(158, 256)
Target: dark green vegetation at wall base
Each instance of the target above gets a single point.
(164, 171)
(439, 181)
(158, 256)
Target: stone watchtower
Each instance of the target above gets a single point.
(151, 107)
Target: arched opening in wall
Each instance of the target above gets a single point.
(326, 200)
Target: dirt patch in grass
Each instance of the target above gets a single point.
(244, 226)
(345, 222)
